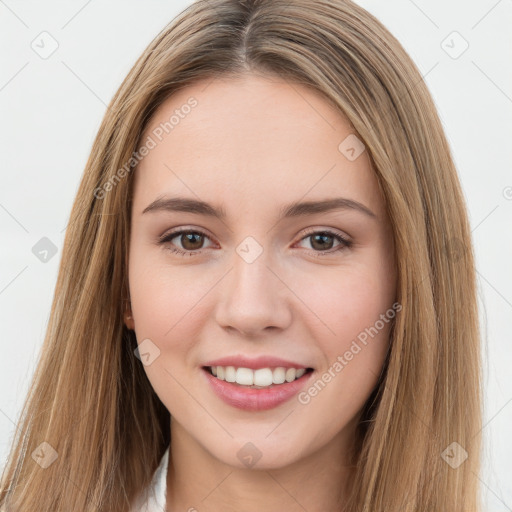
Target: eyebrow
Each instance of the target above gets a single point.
(295, 209)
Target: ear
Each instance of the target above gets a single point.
(128, 319)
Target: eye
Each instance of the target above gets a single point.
(191, 241)
(322, 241)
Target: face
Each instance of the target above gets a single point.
(228, 274)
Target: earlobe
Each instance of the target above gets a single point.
(128, 320)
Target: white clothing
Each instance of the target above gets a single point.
(153, 498)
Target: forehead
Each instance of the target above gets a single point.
(260, 137)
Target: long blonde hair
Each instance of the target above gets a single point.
(90, 399)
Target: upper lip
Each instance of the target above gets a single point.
(255, 363)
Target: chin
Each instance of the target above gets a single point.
(259, 451)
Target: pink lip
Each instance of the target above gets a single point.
(250, 399)
(254, 363)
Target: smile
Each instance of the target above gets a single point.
(261, 378)
(257, 389)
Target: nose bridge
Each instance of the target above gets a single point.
(253, 297)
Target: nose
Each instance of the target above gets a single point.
(254, 299)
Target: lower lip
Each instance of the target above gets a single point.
(251, 399)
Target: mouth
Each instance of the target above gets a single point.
(256, 382)
(261, 378)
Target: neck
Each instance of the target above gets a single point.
(197, 481)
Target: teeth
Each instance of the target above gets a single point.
(261, 378)
(290, 374)
(230, 374)
(244, 376)
(278, 375)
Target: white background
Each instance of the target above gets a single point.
(51, 109)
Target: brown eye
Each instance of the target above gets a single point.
(184, 241)
(322, 241)
(191, 241)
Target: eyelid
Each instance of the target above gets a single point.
(331, 231)
(345, 240)
(308, 231)
(180, 230)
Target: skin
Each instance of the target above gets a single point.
(251, 145)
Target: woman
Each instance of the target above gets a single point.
(267, 292)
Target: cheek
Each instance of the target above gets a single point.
(346, 301)
(168, 310)
(358, 310)
(165, 301)
(352, 322)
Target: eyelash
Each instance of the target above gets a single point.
(344, 243)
